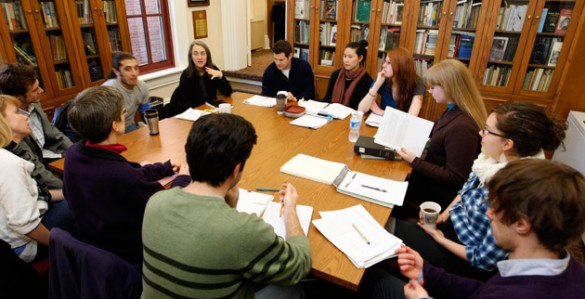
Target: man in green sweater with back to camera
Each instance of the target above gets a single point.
(197, 245)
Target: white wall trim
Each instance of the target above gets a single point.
(235, 34)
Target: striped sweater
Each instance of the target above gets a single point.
(199, 247)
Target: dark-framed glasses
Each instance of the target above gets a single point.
(486, 131)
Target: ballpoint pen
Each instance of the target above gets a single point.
(261, 189)
(374, 188)
(360, 233)
(353, 177)
(281, 209)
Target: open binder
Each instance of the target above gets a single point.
(370, 188)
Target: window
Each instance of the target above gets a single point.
(148, 23)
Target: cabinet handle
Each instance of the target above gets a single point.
(29, 11)
(451, 13)
(537, 17)
(529, 17)
(444, 13)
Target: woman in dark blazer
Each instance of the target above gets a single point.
(199, 82)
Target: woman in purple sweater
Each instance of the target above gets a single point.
(108, 194)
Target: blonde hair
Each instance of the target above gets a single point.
(5, 132)
(459, 86)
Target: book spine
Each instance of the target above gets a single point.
(387, 154)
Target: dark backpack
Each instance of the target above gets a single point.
(60, 122)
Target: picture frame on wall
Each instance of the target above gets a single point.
(194, 3)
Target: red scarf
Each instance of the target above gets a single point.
(116, 148)
(340, 94)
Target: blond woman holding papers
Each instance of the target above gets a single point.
(454, 142)
(398, 85)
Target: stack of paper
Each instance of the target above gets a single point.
(374, 120)
(273, 217)
(333, 110)
(311, 121)
(253, 202)
(357, 234)
(260, 101)
(191, 114)
(400, 129)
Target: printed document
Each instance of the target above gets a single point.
(400, 129)
(260, 101)
(253, 202)
(273, 217)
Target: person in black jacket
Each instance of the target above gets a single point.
(199, 82)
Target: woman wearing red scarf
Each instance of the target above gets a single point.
(349, 84)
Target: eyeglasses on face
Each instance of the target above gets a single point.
(486, 131)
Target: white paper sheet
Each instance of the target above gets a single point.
(400, 129)
(253, 202)
(191, 114)
(260, 101)
(272, 216)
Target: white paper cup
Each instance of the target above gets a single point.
(225, 108)
(430, 212)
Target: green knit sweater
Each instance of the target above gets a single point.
(199, 247)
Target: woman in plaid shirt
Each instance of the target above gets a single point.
(463, 242)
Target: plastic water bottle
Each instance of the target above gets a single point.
(354, 125)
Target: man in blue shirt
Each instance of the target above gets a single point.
(287, 73)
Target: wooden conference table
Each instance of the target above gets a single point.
(278, 141)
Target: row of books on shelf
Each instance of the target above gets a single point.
(301, 53)
(538, 79)
(329, 10)
(302, 9)
(422, 65)
(429, 13)
(555, 21)
(57, 44)
(392, 12)
(84, 12)
(24, 56)
(64, 78)
(503, 48)
(115, 40)
(50, 17)
(497, 75)
(327, 34)
(389, 38)
(14, 15)
(511, 17)
(546, 51)
(302, 32)
(467, 14)
(359, 32)
(361, 11)
(327, 57)
(461, 44)
(110, 11)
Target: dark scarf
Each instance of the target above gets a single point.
(340, 94)
(44, 193)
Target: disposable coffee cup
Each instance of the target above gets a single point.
(430, 212)
(225, 108)
(281, 101)
(151, 116)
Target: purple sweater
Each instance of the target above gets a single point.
(569, 284)
(107, 196)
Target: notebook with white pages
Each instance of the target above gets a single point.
(370, 188)
(260, 101)
(311, 121)
(357, 234)
(333, 110)
(400, 129)
(273, 217)
(191, 114)
(253, 202)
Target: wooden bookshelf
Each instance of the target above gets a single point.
(66, 41)
(516, 50)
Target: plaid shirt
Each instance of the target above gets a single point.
(473, 227)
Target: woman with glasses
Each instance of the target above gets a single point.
(199, 82)
(463, 242)
(453, 144)
(397, 84)
(349, 84)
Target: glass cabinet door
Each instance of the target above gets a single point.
(462, 38)
(554, 21)
(302, 29)
(328, 29)
(391, 15)
(88, 21)
(426, 38)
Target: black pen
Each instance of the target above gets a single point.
(267, 189)
(374, 188)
